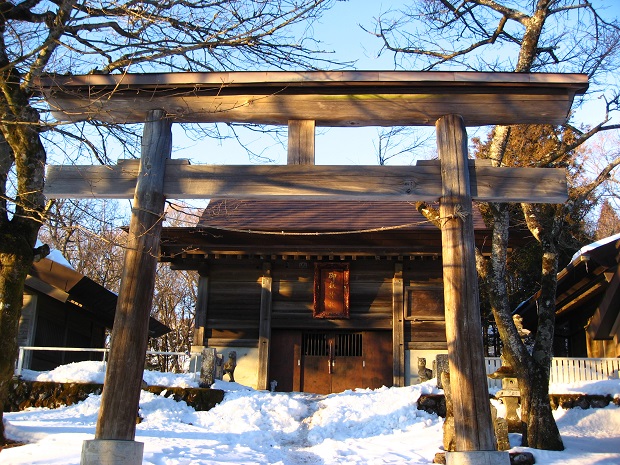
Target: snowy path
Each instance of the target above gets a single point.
(296, 449)
(365, 427)
(249, 427)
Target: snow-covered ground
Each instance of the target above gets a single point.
(373, 427)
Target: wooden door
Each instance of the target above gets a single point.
(347, 361)
(378, 359)
(285, 360)
(324, 362)
(316, 362)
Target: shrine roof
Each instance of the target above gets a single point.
(254, 227)
(67, 285)
(586, 288)
(320, 216)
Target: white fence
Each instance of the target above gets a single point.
(193, 365)
(566, 370)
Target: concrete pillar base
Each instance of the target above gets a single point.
(479, 457)
(111, 452)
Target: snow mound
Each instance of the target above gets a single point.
(78, 372)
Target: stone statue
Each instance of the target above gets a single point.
(449, 435)
(424, 373)
(441, 365)
(229, 366)
(505, 370)
(500, 425)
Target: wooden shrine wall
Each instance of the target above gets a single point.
(370, 295)
(424, 321)
(234, 297)
(234, 300)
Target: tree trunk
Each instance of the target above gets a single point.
(539, 428)
(542, 431)
(514, 350)
(15, 261)
(21, 147)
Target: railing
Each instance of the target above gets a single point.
(568, 370)
(565, 370)
(194, 367)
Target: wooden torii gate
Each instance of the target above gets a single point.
(302, 100)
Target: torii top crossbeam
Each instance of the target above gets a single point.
(330, 98)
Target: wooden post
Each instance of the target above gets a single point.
(300, 152)
(300, 142)
(264, 328)
(201, 311)
(398, 327)
(472, 415)
(121, 393)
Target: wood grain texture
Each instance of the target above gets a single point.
(331, 98)
(418, 331)
(398, 335)
(427, 345)
(408, 183)
(357, 110)
(472, 415)
(119, 402)
(300, 142)
(307, 323)
(202, 304)
(264, 328)
(347, 79)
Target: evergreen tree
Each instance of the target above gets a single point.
(608, 222)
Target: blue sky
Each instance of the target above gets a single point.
(339, 30)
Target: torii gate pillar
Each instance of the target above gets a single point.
(116, 426)
(475, 438)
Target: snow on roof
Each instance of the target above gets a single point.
(580, 253)
(56, 256)
(586, 248)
